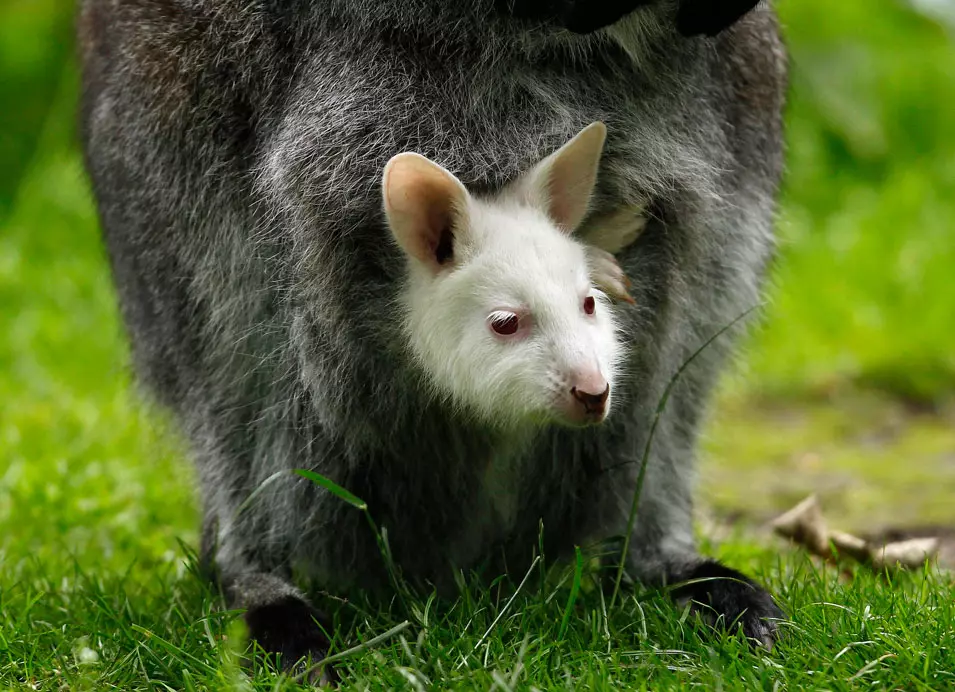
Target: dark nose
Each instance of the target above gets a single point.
(593, 404)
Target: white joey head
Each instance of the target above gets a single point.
(502, 309)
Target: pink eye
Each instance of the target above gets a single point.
(589, 305)
(504, 323)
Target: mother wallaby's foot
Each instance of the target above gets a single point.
(728, 599)
(283, 624)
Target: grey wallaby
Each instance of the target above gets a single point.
(237, 151)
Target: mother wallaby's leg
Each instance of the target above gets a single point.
(280, 618)
(696, 268)
(662, 551)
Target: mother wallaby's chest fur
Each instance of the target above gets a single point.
(489, 115)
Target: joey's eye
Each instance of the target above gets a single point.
(589, 305)
(504, 323)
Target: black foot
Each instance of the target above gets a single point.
(286, 630)
(728, 599)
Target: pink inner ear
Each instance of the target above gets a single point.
(568, 202)
(441, 240)
(571, 173)
(421, 202)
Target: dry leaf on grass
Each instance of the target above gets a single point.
(805, 525)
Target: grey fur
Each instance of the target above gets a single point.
(235, 150)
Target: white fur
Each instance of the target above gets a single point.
(513, 255)
(509, 255)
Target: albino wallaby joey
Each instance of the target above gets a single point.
(502, 311)
(471, 379)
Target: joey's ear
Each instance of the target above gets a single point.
(563, 183)
(424, 205)
(710, 17)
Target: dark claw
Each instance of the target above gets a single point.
(729, 599)
(288, 629)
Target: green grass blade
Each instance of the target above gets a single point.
(574, 590)
(661, 405)
(334, 488)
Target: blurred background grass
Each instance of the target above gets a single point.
(845, 389)
(865, 289)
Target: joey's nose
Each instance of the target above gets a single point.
(590, 396)
(593, 403)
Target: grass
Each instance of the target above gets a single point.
(863, 291)
(873, 460)
(90, 631)
(843, 393)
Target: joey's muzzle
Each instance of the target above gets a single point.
(587, 400)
